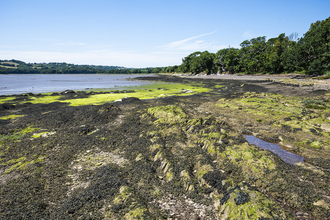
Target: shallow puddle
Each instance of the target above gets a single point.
(286, 156)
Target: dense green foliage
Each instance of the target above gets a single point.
(312, 52)
(283, 54)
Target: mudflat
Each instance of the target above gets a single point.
(174, 151)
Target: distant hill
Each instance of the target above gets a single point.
(9, 64)
(20, 67)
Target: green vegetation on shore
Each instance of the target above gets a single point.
(284, 54)
(99, 97)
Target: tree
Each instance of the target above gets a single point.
(219, 60)
(157, 70)
(198, 62)
(274, 57)
(187, 61)
(309, 54)
(252, 55)
(231, 61)
(314, 48)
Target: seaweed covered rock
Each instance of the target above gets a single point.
(79, 156)
(109, 111)
(241, 202)
(6, 106)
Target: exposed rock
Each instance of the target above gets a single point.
(128, 99)
(6, 106)
(68, 92)
(322, 203)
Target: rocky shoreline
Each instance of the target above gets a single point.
(173, 157)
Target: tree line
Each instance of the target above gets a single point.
(20, 67)
(283, 54)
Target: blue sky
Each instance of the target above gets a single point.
(143, 33)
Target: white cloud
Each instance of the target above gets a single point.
(196, 45)
(168, 55)
(189, 44)
(247, 34)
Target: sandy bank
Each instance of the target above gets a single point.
(288, 79)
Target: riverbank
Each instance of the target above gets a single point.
(174, 152)
(288, 79)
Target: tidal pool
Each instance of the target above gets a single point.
(286, 156)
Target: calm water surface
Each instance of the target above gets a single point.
(286, 156)
(35, 83)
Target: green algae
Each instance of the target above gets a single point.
(17, 134)
(13, 167)
(315, 144)
(175, 120)
(6, 99)
(14, 161)
(170, 114)
(258, 206)
(39, 159)
(298, 118)
(250, 160)
(43, 99)
(166, 165)
(147, 92)
(22, 162)
(201, 170)
(184, 147)
(96, 130)
(133, 208)
(11, 117)
(17, 164)
(151, 91)
(314, 104)
(43, 134)
(254, 162)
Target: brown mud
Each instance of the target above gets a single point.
(178, 157)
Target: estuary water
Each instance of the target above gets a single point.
(13, 84)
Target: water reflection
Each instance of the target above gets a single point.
(286, 156)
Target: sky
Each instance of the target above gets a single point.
(143, 33)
